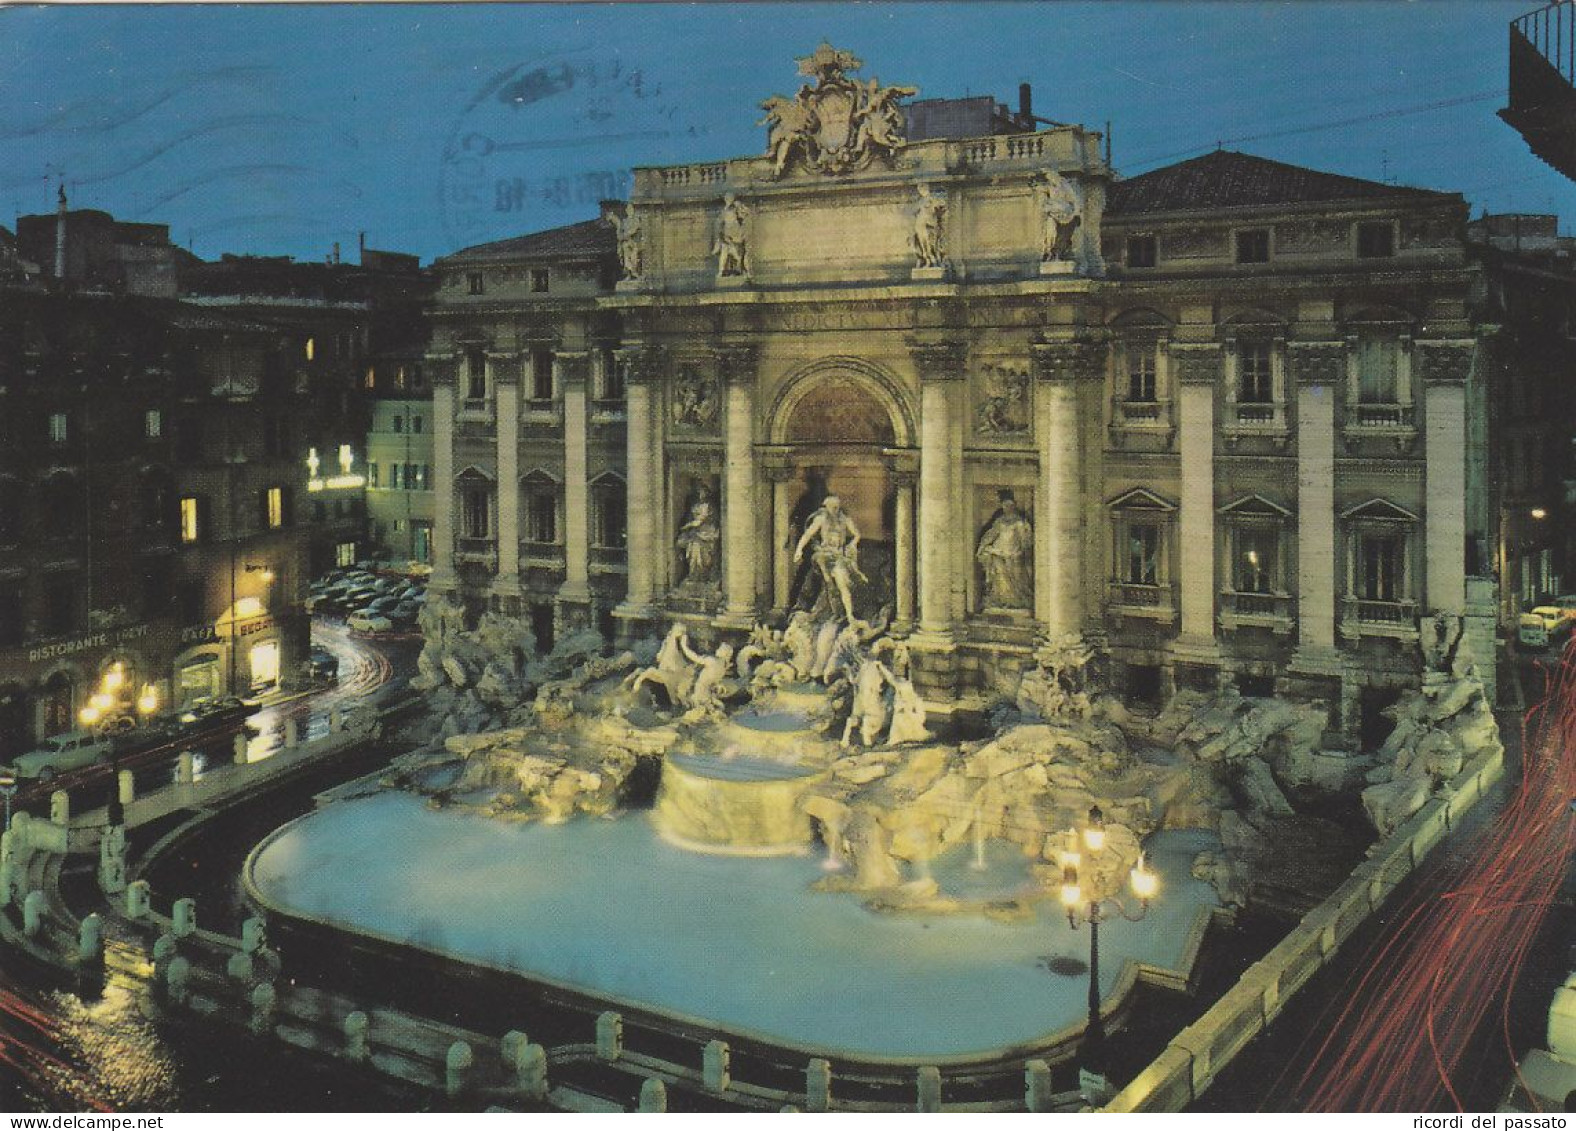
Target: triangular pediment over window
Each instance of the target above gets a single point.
(1255, 506)
(1142, 500)
(1378, 510)
(608, 478)
(538, 477)
(474, 474)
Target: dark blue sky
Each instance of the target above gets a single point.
(284, 129)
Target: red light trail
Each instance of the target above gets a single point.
(1460, 941)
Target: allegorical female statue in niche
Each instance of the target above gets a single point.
(1006, 553)
(698, 539)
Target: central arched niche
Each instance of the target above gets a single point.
(838, 420)
(839, 412)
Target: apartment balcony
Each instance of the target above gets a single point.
(1394, 620)
(1144, 602)
(1256, 610)
(1543, 84)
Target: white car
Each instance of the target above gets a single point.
(369, 622)
(69, 751)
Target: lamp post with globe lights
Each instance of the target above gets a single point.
(1087, 904)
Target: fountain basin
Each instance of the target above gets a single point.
(608, 908)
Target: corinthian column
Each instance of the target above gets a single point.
(640, 373)
(940, 366)
(1058, 535)
(440, 366)
(737, 367)
(1443, 367)
(504, 378)
(569, 374)
(1197, 369)
(1317, 368)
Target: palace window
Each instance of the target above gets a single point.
(1253, 245)
(1141, 560)
(612, 378)
(1141, 251)
(152, 424)
(540, 279)
(57, 428)
(415, 424)
(474, 283)
(475, 375)
(372, 474)
(1375, 239)
(1255, 376)
(541, 374)
(1381, 566)
(1378, 370)
(609, 514)
(475, 513)
(1141, 370)
(541, 514)
(399, 424)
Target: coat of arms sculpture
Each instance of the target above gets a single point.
(838, 125)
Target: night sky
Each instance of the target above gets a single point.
(281, 130)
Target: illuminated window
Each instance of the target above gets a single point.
(275, 507)
(57, 428)
(371, 379)
(345, 554)
(311, 349)
(190, 527)
(346, 458)
(152, 424)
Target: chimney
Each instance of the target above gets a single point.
(1026, 103)
(60, 236)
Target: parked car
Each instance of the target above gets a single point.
(369, 622)
(1555, 619)
(1532, 631)
(323, 666)
(69, 751)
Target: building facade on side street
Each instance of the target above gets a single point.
(1231, 420)
(399, 461)
(146, 526)
(339, 318)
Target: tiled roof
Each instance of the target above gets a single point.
(1226, 179)
(587, 238)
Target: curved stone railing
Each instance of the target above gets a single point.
(1196, 1055)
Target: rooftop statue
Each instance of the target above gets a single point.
(838, 125)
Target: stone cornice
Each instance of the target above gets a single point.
(1069, 360)
(572, 368)
(641, 365)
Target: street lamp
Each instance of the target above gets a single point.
(1094, 908)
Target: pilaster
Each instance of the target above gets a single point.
(1317, 368)
(503, 377)
(1196, 369)
(570, 374)
(440, 367)
(1443, 367)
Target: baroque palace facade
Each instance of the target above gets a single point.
(1227, 420)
